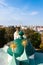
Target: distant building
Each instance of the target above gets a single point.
(24, 27)
(37, 28)
(1, 26)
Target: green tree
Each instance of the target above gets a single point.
(9, 33)
(2, 37)
(34, 37)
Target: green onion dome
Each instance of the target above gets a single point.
(29, 49)
(18, 50)
(21, 33)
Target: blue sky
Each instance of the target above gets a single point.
(21, 12)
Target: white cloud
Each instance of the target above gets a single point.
(2, 3)
(11, 15)
(34, 13)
